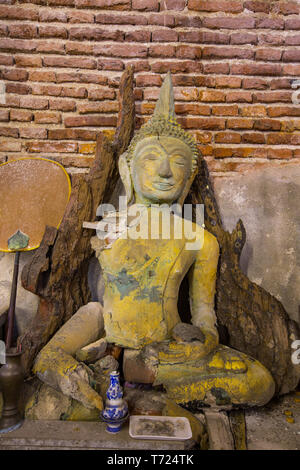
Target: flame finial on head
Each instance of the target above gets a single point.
(165, 104)
(164, 123)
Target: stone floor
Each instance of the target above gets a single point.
(269, 427)
(71, 435)
(274, 427)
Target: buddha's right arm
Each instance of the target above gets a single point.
(202, 279)
(55, 364)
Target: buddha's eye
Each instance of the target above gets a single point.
(179, 160)
(150, 156)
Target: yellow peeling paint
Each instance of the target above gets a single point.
(142, 278)
(252, 385)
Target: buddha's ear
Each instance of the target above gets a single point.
(125, 175)
(187, 187)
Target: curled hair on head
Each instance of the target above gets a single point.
(164, 123)
(160, 126)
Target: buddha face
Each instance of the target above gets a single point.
(160, 169)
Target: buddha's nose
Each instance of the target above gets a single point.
(164, 169)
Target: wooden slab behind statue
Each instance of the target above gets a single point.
(255, 322)
(58, 273)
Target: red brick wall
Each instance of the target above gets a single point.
(232, 63)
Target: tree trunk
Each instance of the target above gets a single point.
(58, 272)
(249, 318)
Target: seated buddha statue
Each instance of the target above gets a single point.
(142, 276)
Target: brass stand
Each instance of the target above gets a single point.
(12, 304)
(11, 381)
(11, 373)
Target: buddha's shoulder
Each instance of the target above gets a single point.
(210, 247)
(209, 242)
(208, 238)
(96, 244)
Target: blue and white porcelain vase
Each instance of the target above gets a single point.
(115, 412)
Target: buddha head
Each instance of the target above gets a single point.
(161, 161)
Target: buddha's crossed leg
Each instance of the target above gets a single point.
(56, 366)
(222, 377)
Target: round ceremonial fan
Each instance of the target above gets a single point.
(34, 193)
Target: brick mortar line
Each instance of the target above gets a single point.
(282, 119)
(149, 28)
(252, 159)
(219, 145)
(179, 115)
(208, 117)
(76, 69)
(30, 140)
(208, 103)
(153, 60)
(186, 11)
(68, 41)
(120, 26)
(55, 154)
(216, 147)
(118, 73)
(76, 85)
(205, 88)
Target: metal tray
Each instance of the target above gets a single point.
(160, 427)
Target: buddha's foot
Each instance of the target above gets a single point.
(224, 378)
(49, 404)
(227, 378)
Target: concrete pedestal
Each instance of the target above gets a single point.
(68, 435)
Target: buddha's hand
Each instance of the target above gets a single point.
(189, 344)
(193, 342)
(76, 384)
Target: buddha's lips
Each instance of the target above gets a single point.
(163, 185)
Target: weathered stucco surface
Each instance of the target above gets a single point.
(26, 304)
(267, 201)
